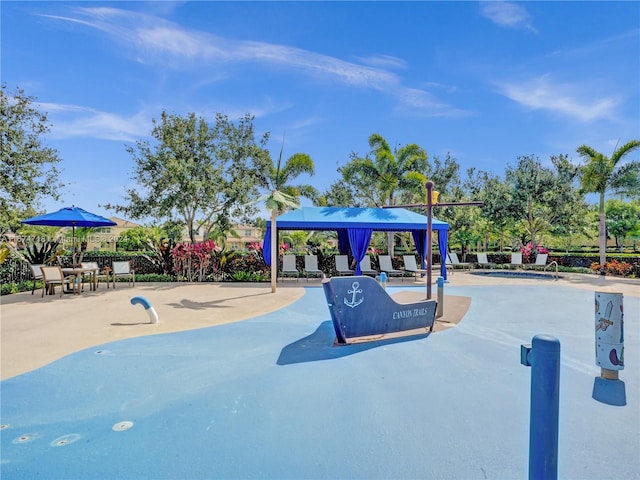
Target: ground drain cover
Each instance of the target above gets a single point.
(65, 440)
(25, 438)
(122, 426)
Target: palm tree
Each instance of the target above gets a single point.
(602, 174)
(381, 178)
(281, 195)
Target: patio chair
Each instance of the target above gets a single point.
(483, 261)
(386, 266)
(311, 266)
(541, 261)
(365, 267)
(94, 276)
(454, 261)
(289, 268)
(342, 265)
(411, 267)
(36, 273)
(52, 276)
(516, 260)
(123, 270)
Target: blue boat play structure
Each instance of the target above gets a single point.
(361, 307)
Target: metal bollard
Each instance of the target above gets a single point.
(543, 355)
(440, 308)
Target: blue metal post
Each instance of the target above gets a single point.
(544, 359)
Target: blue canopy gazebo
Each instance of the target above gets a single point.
(356, 225)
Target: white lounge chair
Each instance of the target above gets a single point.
(123, 269)
(516, 260)
(365, 267)
(541, 261)
(411, 267)
(342, 265)
(454, 261)
(289, 268)
(483, 261)
(311, 266)
(386, 266)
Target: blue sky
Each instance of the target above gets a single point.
(485, 81)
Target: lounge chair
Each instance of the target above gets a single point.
(516, 260)
(36, 272)
(541, 261)
(311, 266)
(454, 261)
(289, 268)
(386, 266)
(411, 267)
(53, 276)
(365, 267)
(123, 269)
(361, 307)
(483, 262)
(342, 265)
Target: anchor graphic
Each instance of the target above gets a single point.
(355, 290)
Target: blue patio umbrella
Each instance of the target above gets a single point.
(70, 217)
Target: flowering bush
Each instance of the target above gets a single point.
(284, 248)
(256, 255)
(190, 261)
(527, 250)
(614, 267)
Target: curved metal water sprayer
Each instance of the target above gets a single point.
(552, 263)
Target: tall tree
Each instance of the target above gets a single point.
(28, 169)
(622, 219)
(537, 198)
(601, 174)
(195, 173)
(383, 174)
(281, 194)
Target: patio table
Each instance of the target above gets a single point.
(78, 272)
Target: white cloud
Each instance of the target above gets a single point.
(152, 40)
(421, 103)
(77, 121)
(507, 14)
(542, 94)
(383, 61)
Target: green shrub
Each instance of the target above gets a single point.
(17, 287)
(249, 277)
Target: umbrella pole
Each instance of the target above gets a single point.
(73, 244)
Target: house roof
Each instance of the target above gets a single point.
(334, 218)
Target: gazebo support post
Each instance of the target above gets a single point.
(429, 186)
(274, 250)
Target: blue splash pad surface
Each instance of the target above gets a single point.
(271, 397)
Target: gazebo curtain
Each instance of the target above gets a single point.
(420, 241)
(359, 239)
(266, 246)
(343, 241)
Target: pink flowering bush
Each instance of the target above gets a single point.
(190, 261)
(527, 250)
(284, 248)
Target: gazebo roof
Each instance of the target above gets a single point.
(334, 218)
